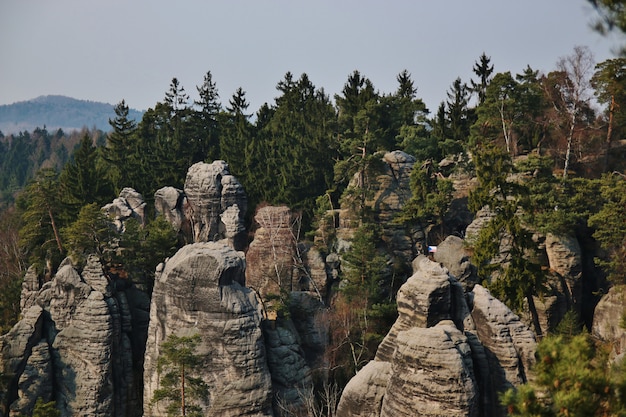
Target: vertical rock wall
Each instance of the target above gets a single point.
(199, 291)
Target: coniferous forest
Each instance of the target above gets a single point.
(560, 134)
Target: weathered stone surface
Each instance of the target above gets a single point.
(169, 202)
(200, 291)
(363, 395)
(565, 258)
(451, 254)
(509, 343)
(608, 319)
(35, 382)
(129, 204)
(432, 374)
(14, 349)
(92, 357)
(93, 274)
(310, 318)
(291, 376)
(82, 357)
(443, 355)
(30, 288)
(423, 301)
(270, 257)
(210, 191)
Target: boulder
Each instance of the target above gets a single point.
(510, 343)
(451, 253)
(169, 202)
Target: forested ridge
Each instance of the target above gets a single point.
(547, 150)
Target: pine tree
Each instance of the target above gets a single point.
(207, 122)
(84, 179)
(43, 216)
(91, 233)
(483, 70)
(504, 245)
(177, 386)
(121, 146)
(609, 81)
(573, 378)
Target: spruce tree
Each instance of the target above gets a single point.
(121, 147)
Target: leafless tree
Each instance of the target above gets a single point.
(575, 90)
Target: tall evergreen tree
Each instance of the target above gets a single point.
(43, 215)
(207, 122)
(297, 144)
(459, 117)
(483, 71)
(177, 385)
(121, 146)
(609, 81)
(84, 179)
(237, 135)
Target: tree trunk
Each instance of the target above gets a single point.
(570, 138)
(609, 134)
(57, 237)
(182, 390)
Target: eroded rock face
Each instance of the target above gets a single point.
(73, 346)
(270, 257)
(510, 343)
(199, 290)
(210, 190)
(129, 204)
(451, 253)
(447, 353)
(608, 319)
(431, 374)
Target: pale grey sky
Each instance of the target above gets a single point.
(109, 50)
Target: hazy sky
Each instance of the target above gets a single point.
(109, 50)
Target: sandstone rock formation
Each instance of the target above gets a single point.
(211, 208)
(129, 204)
(452, 254)
(210, 190)
(447, 354)
(200, 290)
(608, 320)
(271, 255)
(73, 346)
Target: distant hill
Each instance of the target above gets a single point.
(58, 112)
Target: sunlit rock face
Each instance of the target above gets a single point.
(210, 190)
(448, 353)
(79, 343)
(199, 291)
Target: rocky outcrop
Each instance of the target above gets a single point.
(200, 291)
(73, 346)
(452, 254)
(270, 257)
(129, 204)
(431, 374)
(509, 343)
(210, 190)
(211, 207)
(170, 202)
(447, 353)
(609, 318)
